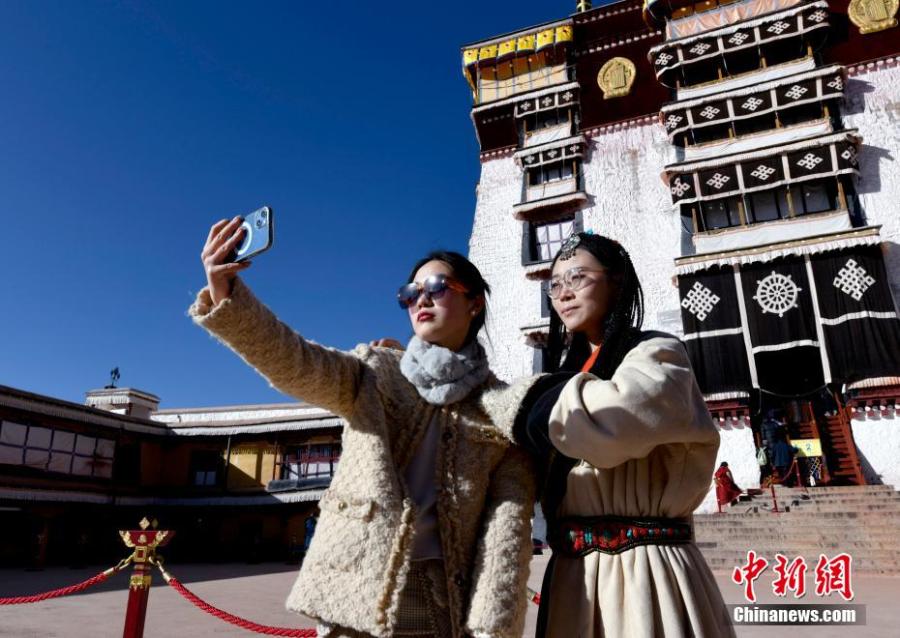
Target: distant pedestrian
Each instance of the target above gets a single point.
(783, 458)
(727, 490)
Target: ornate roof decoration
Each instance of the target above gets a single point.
(802, 88)
(867, 236)
(555, 151)
(814, 158)
(527, 42)
(749, 34)
(562, 96)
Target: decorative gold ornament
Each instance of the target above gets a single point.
(873, 15)
(126, 538)
(616, 77)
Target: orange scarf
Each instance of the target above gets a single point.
(591, 360)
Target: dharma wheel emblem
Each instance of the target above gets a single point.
(873, 15)
(616, 77)
(777, 293)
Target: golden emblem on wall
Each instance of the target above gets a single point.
(873, 15)
(616, 77)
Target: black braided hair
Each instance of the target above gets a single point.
(621, 326)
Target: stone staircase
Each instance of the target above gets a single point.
(862, 520)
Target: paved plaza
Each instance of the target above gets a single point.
(257, 592)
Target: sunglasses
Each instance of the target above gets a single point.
(434, 287)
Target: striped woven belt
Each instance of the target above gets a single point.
(578, 536)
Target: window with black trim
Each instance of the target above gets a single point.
(720, 213)
(548, 173)
(53, 450)
(711, 133)
(314, 460)
(546, 239)
(802, 113)
(815, 196)
(757, 124)
(546, 119)
(768, 205)
(786, 50)
(539, 361)
(205, 466)
(545, 299)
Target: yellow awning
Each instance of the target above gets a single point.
(545, 38)
(525, 43)
(487, 53)
(506, 48)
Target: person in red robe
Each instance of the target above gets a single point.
(726, 489)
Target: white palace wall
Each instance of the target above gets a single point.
(629, 202)
(872, 105)
(495, 246)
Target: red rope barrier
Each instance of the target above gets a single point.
(235, 620)
(224, 615)
(66, 591)
(201, 604)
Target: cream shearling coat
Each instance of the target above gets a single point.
(648, 447)
(357, 564)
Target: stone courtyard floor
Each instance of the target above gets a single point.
(257, 592)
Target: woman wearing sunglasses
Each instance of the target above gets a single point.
(626, 448)
(424, 530)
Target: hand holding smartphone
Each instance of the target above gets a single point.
(259, 235)
(230, 245)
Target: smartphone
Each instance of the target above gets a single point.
(259, 235)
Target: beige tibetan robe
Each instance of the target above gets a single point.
(648, 447)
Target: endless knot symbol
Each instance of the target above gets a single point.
(796, 92)
(738, 38)
(709, 112)
(810, 161)
(700, 301)
(779, 27)
(777, 294)
(818, 16)
(837, 83)
(763, 172)
(849, 154)
(679, 188)
(700, 48)
(673, 120)
(853, 280)
(751, 104)
(718, 180)
(663, 59)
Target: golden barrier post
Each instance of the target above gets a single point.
(145, 543)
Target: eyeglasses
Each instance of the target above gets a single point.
(434, 287)
(573, 279)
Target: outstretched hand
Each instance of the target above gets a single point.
(223, 237)
(387, 343)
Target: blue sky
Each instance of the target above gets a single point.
(128, 128)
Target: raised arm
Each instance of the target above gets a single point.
(651, 400)
(322, 376)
